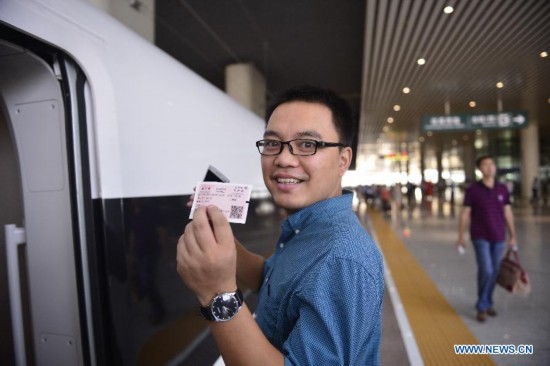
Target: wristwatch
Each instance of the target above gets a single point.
(223, 307)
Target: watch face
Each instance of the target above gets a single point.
(224, 307)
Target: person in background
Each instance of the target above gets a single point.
(385, 199)
(321, 292)
(544, 190)
(411, 198)
(487, 209)
(535, 191)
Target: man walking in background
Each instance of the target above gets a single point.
(487, 208)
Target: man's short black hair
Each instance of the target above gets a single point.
(481, 158)
(341, 111)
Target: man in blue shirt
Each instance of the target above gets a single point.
(321, 293)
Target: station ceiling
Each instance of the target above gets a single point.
(368, 52)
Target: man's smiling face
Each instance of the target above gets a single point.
(294, 181)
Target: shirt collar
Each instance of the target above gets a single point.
(319, 210)
(482, 183)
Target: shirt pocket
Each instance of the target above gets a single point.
(268, 307)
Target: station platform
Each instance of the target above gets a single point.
(436, 288)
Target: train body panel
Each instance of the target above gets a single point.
(156, 124)
(132, 131)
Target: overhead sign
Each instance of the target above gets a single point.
(461, 122)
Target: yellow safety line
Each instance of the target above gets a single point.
(436, 325)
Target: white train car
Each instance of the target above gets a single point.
(103, 137)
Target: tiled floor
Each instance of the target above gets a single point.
(521, 320)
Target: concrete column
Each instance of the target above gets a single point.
(530, 158)
(245, 84)
(102, 4)
(439, 161)
(423, 160)
(138, 15)
(440, 183)
(469, 161)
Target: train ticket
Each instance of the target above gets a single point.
(231, 198)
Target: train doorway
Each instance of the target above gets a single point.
(42, 319)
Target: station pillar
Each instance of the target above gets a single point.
(136, 15)
(530, 159)
(469, 161)
(245, 84)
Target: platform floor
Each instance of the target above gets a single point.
(430, 236)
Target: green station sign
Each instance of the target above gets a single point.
(481, 121)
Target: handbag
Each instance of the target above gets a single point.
(512, 276)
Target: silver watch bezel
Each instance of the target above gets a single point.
(225, 296)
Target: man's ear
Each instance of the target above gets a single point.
(345, 160)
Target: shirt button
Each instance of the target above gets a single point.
(282, 245)
(297, 231)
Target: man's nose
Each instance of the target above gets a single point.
(286, 158)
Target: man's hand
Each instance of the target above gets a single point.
(512, 244)
(509, 219)
(206, 256)
(462, 223)
(460, 246)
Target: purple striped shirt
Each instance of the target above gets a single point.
(487, 211)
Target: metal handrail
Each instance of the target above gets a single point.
(14, 237)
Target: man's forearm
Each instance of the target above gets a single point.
(509, 219)
(249, 268)
(463, 222)
(241, 341)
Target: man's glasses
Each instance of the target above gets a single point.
(301, 147)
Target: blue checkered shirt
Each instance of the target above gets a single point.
(321, 298)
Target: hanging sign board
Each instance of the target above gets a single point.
(481, 121)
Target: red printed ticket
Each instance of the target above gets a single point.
(231, 198)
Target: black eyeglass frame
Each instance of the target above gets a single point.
(318, 144)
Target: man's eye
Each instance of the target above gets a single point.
(306, 144)
(272, 143)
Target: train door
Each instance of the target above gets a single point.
(39, 217)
